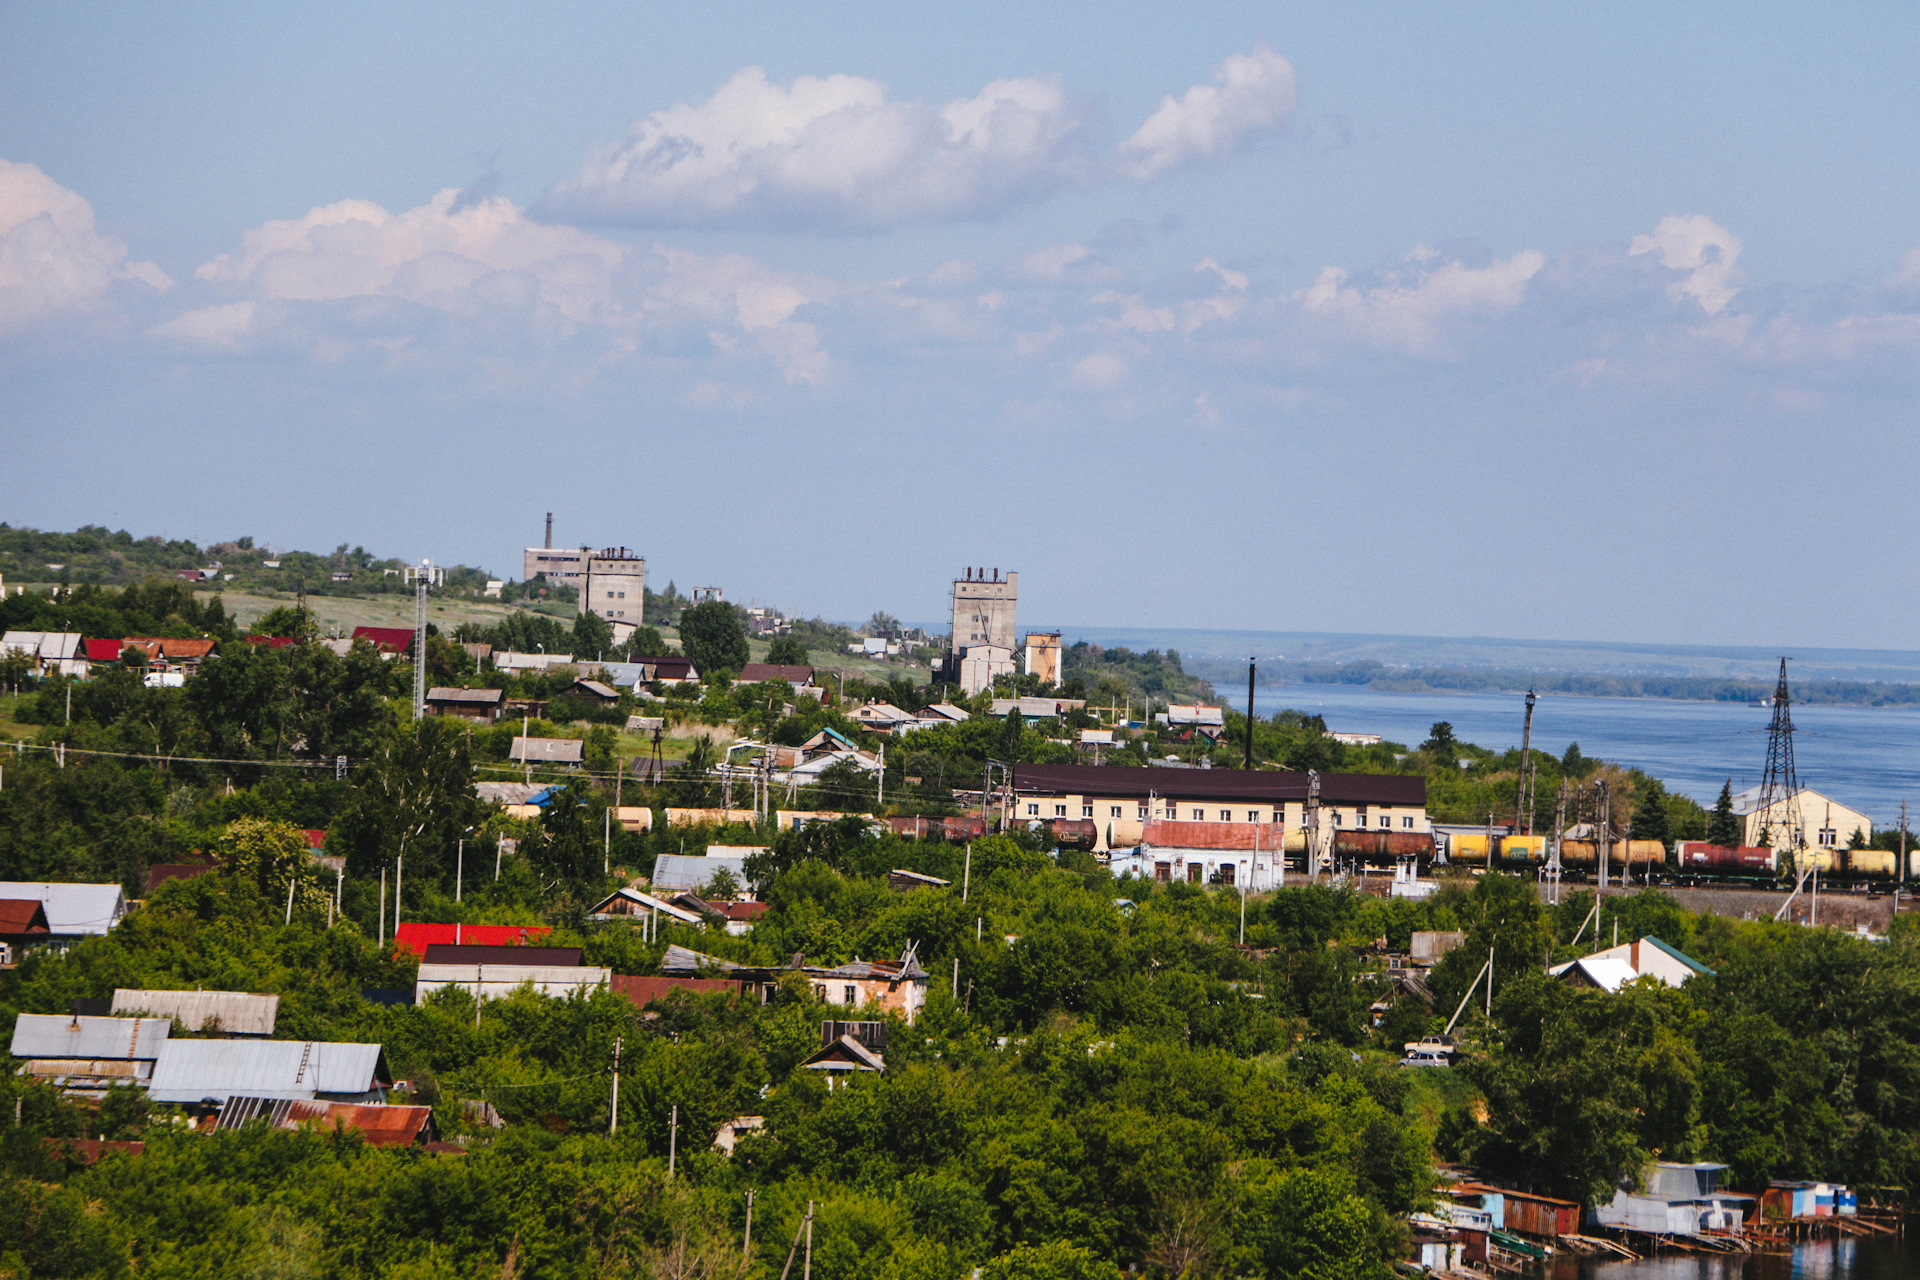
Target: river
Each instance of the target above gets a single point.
(1866, 757)
(1842, 1259)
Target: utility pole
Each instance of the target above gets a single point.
(399, 870)
(613, 1106)
(459, 865)
(1313, 825)
(804, 1229)
(1902, 871)
(1603, 827)
(673, 1139)
(1526, 769)
(1250, 666)
(427, 575)
(380, 929)
(746, 1237)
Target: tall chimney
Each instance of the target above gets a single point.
(549, 541)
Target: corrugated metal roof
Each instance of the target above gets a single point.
(234, 1012)
(189, 1070)
(443, 953)
(673, 872)
(55, 1035)
(73, 909)
(513, 974)
(556, 750)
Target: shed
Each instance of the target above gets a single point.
(233, 1012)
(190, 1070)
(594, 691)
(161, 872)
(643, 990)
(469, 704)
(73, 910)
(1604, 973)
(634, 904)
(842, 1058)
(54, 1035)
(548, 750)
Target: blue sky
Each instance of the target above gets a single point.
(1411, 319)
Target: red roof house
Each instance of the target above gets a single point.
(386, 639)
(417, 937)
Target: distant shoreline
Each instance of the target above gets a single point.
(1838, 693)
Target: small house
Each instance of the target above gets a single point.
(23, 921)
(73, 911)
(570, 752)
(594, 692)
(483, 705)
(233, 1013)
(88, 1055)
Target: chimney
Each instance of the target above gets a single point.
(549, 542)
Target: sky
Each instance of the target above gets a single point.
(1597, 323)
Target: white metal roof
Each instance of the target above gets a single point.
(72, 909)
(234, 1012)
(674, 872)
(1609, 973)
(559, 750)
(568, 975)
(189, 1070)
(56, 1035)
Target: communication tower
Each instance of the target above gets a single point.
(1780, 790)
(427, 575)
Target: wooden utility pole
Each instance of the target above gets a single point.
(1526, 769)
(1250, 666)
(746, 1237)
(613, 1106)
(804, 1229)
(673, 1139)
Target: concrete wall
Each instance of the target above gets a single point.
(983, 612)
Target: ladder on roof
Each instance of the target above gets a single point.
(306, 1052)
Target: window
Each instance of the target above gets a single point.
(1407, 821)
(1336, 817)
(852, 996)
(1163, 871)
(1385, 822)
(1143, 813)
(1360, 816)
(1172, 812)
(1829, 837)
(1226, 873)
(1226, 815)
(1199, 815)
(1059, 811)
(1114, 812)
(1086, 811)
(1194, 872)
(1033, 811)
(623, 595)
(1253, 815)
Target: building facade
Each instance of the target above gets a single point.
(564, 566)
(613, 584)
(1122, 800)
(1043, 655)
(1824, 823)
(984, 607)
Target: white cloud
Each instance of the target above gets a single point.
(1701, 247)
(1253, 94)
(52, 260)
(834, 151)
(1411, 306)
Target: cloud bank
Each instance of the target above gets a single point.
(53, 263)
(837, 152)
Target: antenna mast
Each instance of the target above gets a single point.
(1781, 789)
(427, 575)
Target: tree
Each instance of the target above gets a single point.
(1650, 813)
(592, 636)
(1054, 1260)
(1724, 826)
(883, 623)
(788, 651)
(645, 642)
(269, 855)
(1441, 742)
(285, 621)
(711, 635)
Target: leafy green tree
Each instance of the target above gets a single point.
(1441, 742)
(413, 799)
(592, 638)
(1053, 1260)
(286, 620)
(788, 650)
(712, 636)
(272, 856)
(1724, 826)
(645, 642)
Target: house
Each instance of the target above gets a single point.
(378, 1126)
(520, 664)
(496, 981)
(1679, 1200)
(841, 1059)
(634, 904)
(594, 692)
(23, 921)
(895, 986)
(1824, 824)
(477, 953)
(416, 937)
(232, 1013)
(668, 669)
(800, 677)
(88, 1055)
(1786, 1199)
(1193, 716)
(734, 1130)
(1122, 800)
(881, 717)
(1648, 957)
(1246, 854)
(54, 653)
(943, 713)
(483, 705)
(562, 751)
(390, 641)
(73, 911)
(192, 1070)
(1035, 708)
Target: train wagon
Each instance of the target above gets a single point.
(1471, 849)
(1381, 848)
(1622, 855)
(1073, 833)
(1696, 859)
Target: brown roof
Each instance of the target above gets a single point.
(486, 697)
(536, 957)
(1233, 785)
(643, 991)
(22, 916)
(792, 673)
(172, 648)
(380, 1126)
(161, 872)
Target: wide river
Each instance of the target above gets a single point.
(1843, 1259)
(1867, 757)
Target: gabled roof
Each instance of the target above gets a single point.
(1608, 973)
(20, 917)
(235, 1012)
(391, 639)
(944, 711)
(189, 1070)
(636, 897)
(55, 1035)
(167, 647)
(105, 650)
(550, 750)
(845, 1054)
(672, 871)
(669, 666)
(792, 673)
(479, 697)
(597, 689)
(47, 645)
(416, 937)
(72, 909)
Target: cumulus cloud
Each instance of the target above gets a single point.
(52, 260)
(1702, 248)
(834, 151)
(1409, 307)
(838, 152)
(1252, 95)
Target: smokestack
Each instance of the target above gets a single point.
(549, 542)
